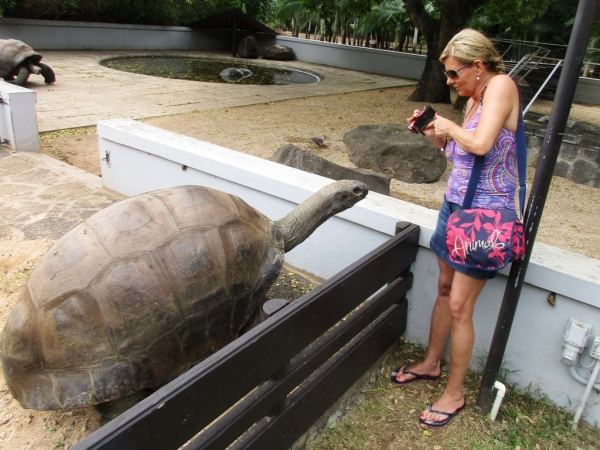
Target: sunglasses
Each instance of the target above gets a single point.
(453, 73)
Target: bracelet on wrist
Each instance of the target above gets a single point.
(443, 149)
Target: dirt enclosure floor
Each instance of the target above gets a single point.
(570, 220)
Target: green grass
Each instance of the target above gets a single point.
(386, 417)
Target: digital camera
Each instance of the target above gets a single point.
(419, 123)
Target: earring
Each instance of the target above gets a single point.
(477, 78)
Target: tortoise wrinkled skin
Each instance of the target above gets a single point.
(17, 59)
(136, 295)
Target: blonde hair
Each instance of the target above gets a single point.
(469, 45)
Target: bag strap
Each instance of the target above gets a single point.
(521, 168)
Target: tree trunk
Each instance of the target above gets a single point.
(460, 103)
(397, 41)
(432, 87)
(415, 40)
(334, 29)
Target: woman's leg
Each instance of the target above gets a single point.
(463, 295)
(441, 324)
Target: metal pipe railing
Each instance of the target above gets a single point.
(584, 20)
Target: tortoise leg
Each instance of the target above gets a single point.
(32, 68)
(22, 76)
(111, 410)
(47, 73)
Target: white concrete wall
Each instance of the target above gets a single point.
(62, 35)
(588, 91)
(144, 158)
(18, 120)
(362, 59)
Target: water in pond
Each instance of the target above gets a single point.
(207, 69)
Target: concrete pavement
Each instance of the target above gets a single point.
(86, 92)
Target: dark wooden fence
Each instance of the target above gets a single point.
(264, 390)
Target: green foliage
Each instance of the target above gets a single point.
(145, 12)
(4, 4)
(390, 15)
(262, 10)
(535, 20)
(508, 18)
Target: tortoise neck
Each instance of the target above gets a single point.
(302, 222)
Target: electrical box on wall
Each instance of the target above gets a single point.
(577, 335)
(595, 347)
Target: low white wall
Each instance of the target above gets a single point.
(144, 158)
(18, 120)
(588, 91)
(62, 35)
(362, 59)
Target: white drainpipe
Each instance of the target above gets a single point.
(586, 394)
(499, 396)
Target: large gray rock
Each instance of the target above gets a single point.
(278, 52)
(248, 48)
(395, 151)
(298, 158)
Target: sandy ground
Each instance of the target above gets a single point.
(569, 220)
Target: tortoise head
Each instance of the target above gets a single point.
(323, 204)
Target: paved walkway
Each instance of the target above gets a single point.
(41, 197)
(86, 92)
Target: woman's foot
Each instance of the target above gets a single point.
(405, 375)
(441, 412)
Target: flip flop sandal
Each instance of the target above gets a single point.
(417, 377)
(439, 423)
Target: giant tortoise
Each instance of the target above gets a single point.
(18, 60)
(141, 291)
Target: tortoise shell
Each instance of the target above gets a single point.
(137, 294)
(13, 53)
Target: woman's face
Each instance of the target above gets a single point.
(461, 76)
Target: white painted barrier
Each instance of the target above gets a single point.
(142, 158)
(18, 120)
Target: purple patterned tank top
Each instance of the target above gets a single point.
(499, 176)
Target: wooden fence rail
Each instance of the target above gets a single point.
(265, 389)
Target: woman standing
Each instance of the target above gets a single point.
(474, 68)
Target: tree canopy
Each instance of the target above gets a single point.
(143, 12)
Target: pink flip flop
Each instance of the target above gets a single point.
(417, 377)
(440, 423)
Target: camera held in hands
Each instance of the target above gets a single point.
(421, 121)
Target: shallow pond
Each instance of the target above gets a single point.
(207, 70)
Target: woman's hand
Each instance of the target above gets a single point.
(442, 127)
(416, 114)
(428, 130)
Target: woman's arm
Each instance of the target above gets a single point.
(500, 110)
